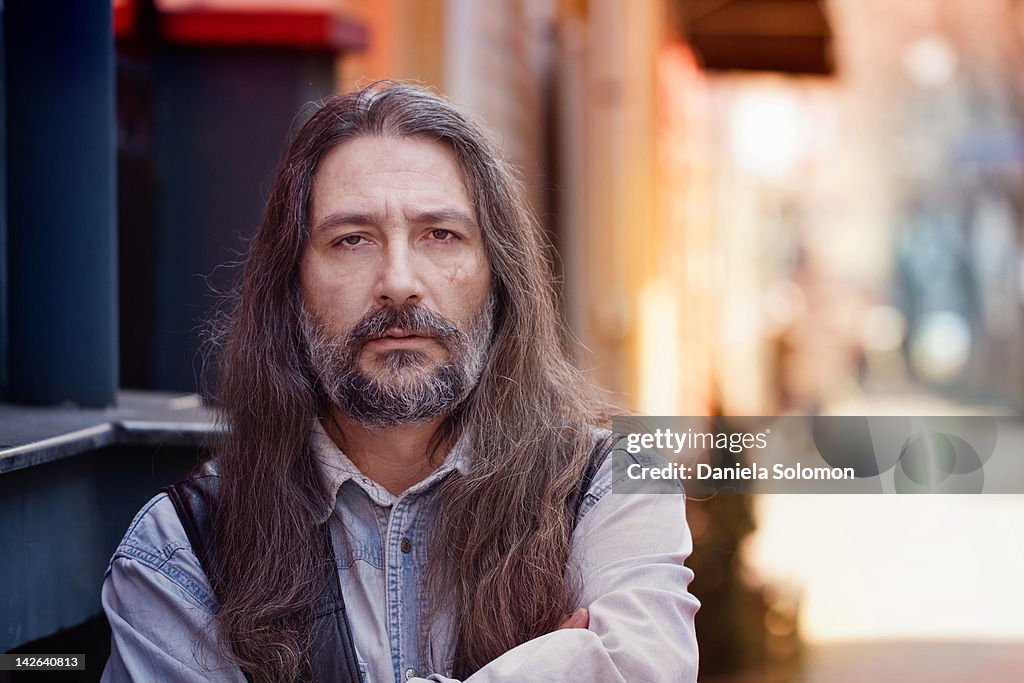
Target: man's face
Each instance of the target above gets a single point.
(395, 281)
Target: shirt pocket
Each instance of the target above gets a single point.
(358, 540)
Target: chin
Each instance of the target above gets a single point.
(390, 362)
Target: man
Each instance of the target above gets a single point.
(401, 477)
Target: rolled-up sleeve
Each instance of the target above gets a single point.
(631, 549)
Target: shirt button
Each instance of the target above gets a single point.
(411, 673)
(406, 546)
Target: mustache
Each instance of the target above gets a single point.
(411, 319)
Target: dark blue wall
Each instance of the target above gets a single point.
(61, 249)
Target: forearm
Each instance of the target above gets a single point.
(583, 655)
(631, 553)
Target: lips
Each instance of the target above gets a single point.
(408, 326)
(398, 338)
(398, 333)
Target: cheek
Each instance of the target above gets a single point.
(461, 277)
(469, 274)
(333, 299)
(467, 288)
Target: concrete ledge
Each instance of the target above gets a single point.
(70, 482)
(32, 436)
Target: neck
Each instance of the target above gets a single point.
(394, 457)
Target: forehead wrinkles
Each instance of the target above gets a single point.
(363, 175)
(366, 156)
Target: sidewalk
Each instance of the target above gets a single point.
(913, 662)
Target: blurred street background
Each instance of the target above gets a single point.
(756, 207)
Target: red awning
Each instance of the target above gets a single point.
(303, 29)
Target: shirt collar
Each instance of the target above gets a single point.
(335, 468)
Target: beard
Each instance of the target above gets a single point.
(399, 387)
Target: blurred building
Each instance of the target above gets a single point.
(755, 206)
(578, 94)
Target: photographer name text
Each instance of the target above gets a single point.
(753, 471)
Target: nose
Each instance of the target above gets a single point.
(399, 281)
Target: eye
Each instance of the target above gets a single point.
(442, 235)
(350, 241)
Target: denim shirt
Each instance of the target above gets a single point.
(629, 549)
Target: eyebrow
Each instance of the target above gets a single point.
(446, 215)
(346, 218)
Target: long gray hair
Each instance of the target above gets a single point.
(502, 538)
